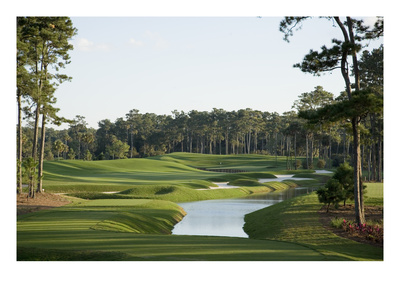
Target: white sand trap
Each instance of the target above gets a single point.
(282, 178)
(322, 171)
(221, 185)
(279, 178)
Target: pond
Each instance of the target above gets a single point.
(225, 217)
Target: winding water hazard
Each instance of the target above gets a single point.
(225, 217)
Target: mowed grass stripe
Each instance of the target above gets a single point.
(72, 232)
(297, 221)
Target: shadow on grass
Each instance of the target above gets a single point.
(91, 245)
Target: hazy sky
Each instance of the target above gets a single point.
(159, 64)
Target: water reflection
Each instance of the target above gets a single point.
(225, 217)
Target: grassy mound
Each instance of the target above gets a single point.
(111, 175)
(68, 233)
(175, 193)
(180, 169)
(152, 217)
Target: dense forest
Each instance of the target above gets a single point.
(245, 131)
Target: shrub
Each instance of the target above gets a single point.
(298, 163)
(337, 223)
(310, 165)
(331, 193)
(321, 164)
(370, 232)
(88, 155)
(344, 174)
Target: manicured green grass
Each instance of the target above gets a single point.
(246, 162)
(374, 195)
(176, 169)
(135, 223)
(64, 176)
(128, 246)
(176, 193)
(126, 215)
(108, 230)
(297, 221)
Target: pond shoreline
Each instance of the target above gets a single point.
(225, 217)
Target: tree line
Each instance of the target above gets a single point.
(245, 131)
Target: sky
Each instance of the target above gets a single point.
(161, 64)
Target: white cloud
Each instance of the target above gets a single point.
(135, 43)
(85, 45)
(370, 21)
(158, 41)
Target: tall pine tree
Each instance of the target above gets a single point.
(46, 42)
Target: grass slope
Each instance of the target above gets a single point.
(176, 169)
(135, 223)
(297, 221)
(108, 230)
(105, 175)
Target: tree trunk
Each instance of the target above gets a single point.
(330, 150)
(369, 163)
(226, 144)
(255, 142)
(248, 142)
(312, 152)
(358, 198)
(379, 154)
(295, 152)
(131, 144)
(19, 163)
(41, 154)
(276, 149)
(34, 150)
(344, 147)
(307, 152)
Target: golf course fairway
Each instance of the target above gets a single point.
(134, 223)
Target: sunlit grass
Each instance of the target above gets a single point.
(134, 224)
(119, 230)
(176, 168)
(297, 221)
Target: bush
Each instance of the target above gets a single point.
(370, 232)
(298, 163)
(344, 174)
(88, 155)
(321, 164)
(310, 165)
(101, 156)
(332, 193)
(337, 223)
